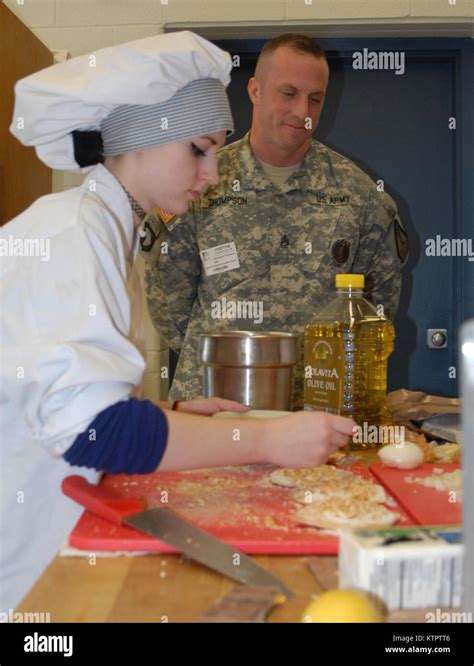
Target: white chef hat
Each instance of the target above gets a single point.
(154, 90)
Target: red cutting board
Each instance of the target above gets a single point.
(426, 506)
(238, 505)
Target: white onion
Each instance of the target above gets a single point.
(404, 455)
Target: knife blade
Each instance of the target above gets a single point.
(165, 524)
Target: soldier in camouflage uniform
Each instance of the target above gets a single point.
(258, 253)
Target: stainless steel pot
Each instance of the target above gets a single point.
(253, 367)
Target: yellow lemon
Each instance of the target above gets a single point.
(343, 605)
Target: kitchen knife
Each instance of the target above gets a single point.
(165, 524)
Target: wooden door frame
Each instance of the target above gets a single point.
(23, 177)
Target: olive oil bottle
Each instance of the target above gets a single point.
(346, 347)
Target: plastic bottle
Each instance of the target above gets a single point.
(346, 347)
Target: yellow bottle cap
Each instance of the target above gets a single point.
(353, 280)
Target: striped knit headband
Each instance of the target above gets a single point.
(200, 107)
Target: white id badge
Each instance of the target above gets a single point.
(220, 258)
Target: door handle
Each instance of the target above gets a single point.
(437, 338)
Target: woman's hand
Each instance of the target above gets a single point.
(302, 439)
(305, 439)
(209, 406)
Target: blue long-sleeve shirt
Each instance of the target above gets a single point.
(128, 437)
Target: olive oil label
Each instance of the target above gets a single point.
(324, 381)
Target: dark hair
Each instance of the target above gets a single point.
(295, 41)
(88, 147)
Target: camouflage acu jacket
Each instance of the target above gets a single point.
(328, 218)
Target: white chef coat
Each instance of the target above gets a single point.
(71, 339)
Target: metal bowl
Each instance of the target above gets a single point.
(252, 367)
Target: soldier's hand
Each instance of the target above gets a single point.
(209, 406)
(305, 439)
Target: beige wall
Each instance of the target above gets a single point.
(80, 26)
(84, 25)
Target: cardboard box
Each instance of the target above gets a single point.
(407, 567)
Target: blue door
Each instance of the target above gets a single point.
(414, 131)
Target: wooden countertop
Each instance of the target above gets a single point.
(156, 588)
(131, 589)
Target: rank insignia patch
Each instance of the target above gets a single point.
(166, 217)
(340, 251)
